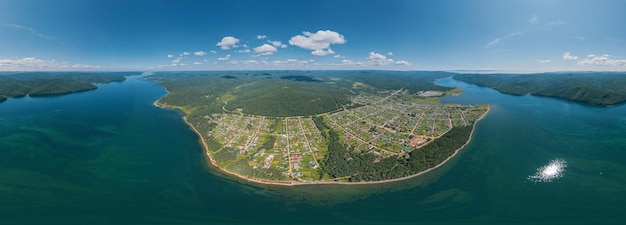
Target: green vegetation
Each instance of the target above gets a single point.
(344, 126)
(20, 84)
(342, 163)
(598, 88)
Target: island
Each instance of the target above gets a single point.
(19, 84)
(321, 127)
(597, 88)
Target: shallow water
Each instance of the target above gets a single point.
(110, 157)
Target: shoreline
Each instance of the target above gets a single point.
(297, 183)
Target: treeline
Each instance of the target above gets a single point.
(598, 88)
(413, 81)
(342, 162)
(52, 83)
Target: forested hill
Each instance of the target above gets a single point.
(598, 88)
(18, 84)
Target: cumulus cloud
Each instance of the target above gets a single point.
(402, 63)
(390, 53)
(228, 42)
(32, 63)
(601, 60)
(337, 56)
(377, 59)
(321, 40)
(321, 52)
(265, 49)
(376, 56)
(569, 56)
(277, 44)
(200, 53)
(186, 53)
(227, 57)
(197, 63)
(170, 56)
(213, 51)
(243, 50)
(260, 36)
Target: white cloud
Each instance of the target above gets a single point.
(228, 42)
(337, 56)
(390, 53)
(213, 51)
(227, 57)
(260, 36)
(177, 60)
(492, 43)
(534, 19)
(555, 23)
(601, 60)
(289, 62)
(377, 59)
(277, 44)
(31, 31)
(200, 53)
(197, 63)
(321, 40)
(543, 61)
(403, 63)
(31, 63)
(569, 56)
(265, 49)
(376, 56)
(349, 62)
(243, 50)
(170, 56)
(321, 52)
(186, 53)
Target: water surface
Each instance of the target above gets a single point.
(110, 157)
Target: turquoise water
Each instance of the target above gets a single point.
(110, 157)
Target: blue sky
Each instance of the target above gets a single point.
(490, 35)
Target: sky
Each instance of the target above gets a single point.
(452, 35)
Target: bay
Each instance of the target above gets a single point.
(110, 157)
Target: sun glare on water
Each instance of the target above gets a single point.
(553, 170)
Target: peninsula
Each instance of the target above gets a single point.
(324, 127)
(19, 84)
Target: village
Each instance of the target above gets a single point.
(386, 124)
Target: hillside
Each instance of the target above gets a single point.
(597, 88)
(18, 84)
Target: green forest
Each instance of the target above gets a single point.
(282, 93)
(597, 88)
(343, 163)
(18, 84)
